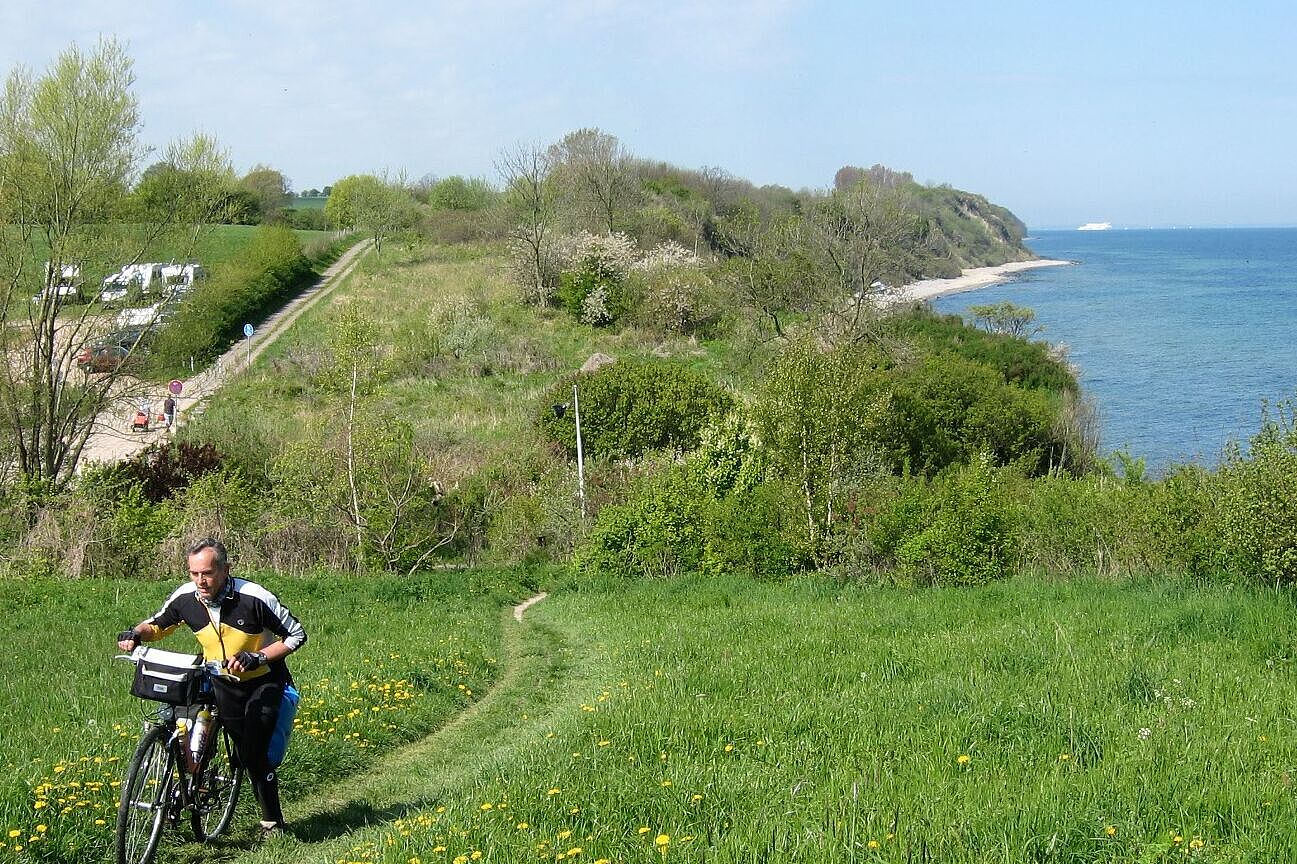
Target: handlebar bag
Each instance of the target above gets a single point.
(167, 676)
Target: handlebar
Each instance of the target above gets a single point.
(211, 668)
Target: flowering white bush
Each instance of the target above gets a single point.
(610, 256)
(594, 309)
(666, 255)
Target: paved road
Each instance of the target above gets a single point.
(114, 439)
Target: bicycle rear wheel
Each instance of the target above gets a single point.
(146, 798)
(216, 794)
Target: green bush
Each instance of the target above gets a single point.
(957, 530)
(1258, 518)
(272, 269)
(947, 410)
(755, 532)
(632, 407)
(1018, 361)
(658, 533)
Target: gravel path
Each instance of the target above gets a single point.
(114, 440)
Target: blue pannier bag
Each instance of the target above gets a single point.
(284, 726)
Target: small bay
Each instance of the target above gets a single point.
(1179, 336)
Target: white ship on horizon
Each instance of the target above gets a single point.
(1095, 226)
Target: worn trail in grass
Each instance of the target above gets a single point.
(727, 720)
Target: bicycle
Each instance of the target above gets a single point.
(175, 770)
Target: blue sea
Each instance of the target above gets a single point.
(1178, 335)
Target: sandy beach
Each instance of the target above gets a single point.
(974, 277)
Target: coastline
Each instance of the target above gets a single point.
(971, 278)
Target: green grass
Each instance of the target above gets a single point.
(734, 721)
(727, 720)
(471, 406)
(388, 660)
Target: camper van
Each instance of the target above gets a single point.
(66, 285)
(180, 278)
(119, 284)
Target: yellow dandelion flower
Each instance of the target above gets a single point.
(59, 769)
(729, 748)
(1196, 843)
(1111, 830)
(1063, 757)
(662, 840)
(873, 844)
(414, 860)
(695, 797)
(15, 832)
(644, 830)
(437, 850)
(666, 783)
(574, 851)
(487, 806)
(563, 835)
(41, 829)
(100, 822)
(1177, 839)
(554, 791)
(574, 811)
(523, 826)
(604, 743)
(476, 856)
(964, 759)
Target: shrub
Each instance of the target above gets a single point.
(632, 407)
(1018, 361)
(1258, 519)
(754, 531)
(593, 270)
(658, 533)
(960, 531)
(164, 468)
(947, 410)
(272, 269)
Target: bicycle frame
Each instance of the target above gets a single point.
(159, 787)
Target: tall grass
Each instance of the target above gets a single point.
(734, 721)
(388, 661)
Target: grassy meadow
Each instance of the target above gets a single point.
(713, 720)
(468, 362)
(389, 660)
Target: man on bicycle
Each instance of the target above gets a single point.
(243, 626)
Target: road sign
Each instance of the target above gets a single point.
(176, 386)
(247, 330)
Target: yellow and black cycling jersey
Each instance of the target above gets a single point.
(244, 617)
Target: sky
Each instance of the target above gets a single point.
(1142, 114)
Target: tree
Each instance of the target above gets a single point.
(68, 150)
(373, 205)
(272, 190)
(818, 411)
(597, 175)
(456, 193)
(530, 201)
(1007, 319)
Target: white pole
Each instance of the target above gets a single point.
(580, 452)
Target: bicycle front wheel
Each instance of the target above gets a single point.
(146, 797)
(216, 794)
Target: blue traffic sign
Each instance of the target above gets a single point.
(247, 330)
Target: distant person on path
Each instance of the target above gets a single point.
(169, 411)
(243, 626)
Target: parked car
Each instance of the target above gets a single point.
(108, 354)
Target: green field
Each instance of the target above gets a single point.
(725, 720)
(389, 660)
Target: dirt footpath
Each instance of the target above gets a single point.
(113, 438)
